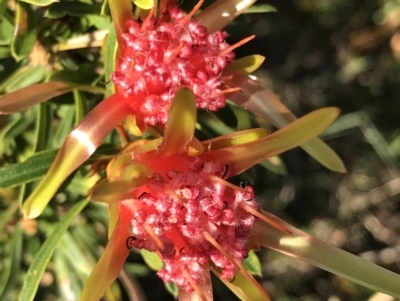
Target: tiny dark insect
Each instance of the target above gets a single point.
(130, 242)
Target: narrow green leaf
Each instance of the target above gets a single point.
(243, 156)
(303, 246)
(23, 77)
(243, 287)
(40, 2)
(263, 103)
(25, 31)
(81, 107)
(235, 138)
(109, 52)
(79, 9)
(66, 114)
(144, 4)
(78, 77)
(6, 26)
(41, 259)
(27, 171)
(43, 128)
(11, 268)
(260, 8)
(16, 127)
(75, 256)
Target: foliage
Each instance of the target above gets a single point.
(318, 54)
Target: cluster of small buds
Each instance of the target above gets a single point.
(183, 213)
(160, 57)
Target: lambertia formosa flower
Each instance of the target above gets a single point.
(175, 200)
(156, 57)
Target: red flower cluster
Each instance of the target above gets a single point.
(160, 57)
(193, 218)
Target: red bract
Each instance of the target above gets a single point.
(192, 217)
(159, 57)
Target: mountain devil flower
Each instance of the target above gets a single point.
(156, 56)
(170, 195)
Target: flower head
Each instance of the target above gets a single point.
(158, 57)
(176, 200)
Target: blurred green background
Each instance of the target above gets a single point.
(319, 53)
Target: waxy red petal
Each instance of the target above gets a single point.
(76, 149)
(263, 103)
(112, 259)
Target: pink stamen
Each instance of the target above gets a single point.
(194, 285)
(157, 240)
(148, 18)
(238, 44)
(226, 91)
(194, 10)
(266, 219)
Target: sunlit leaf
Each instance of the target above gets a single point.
(81, 107)
(144, 4)
(24, 37)
(40, 2)
(235, 138)
(181, 124)
(244, 156)
(42, 257)
(302, 246)
(247, 64)
(77, 148)
(263, 103)
(152, 259)
(109, 53)
(252, 264)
